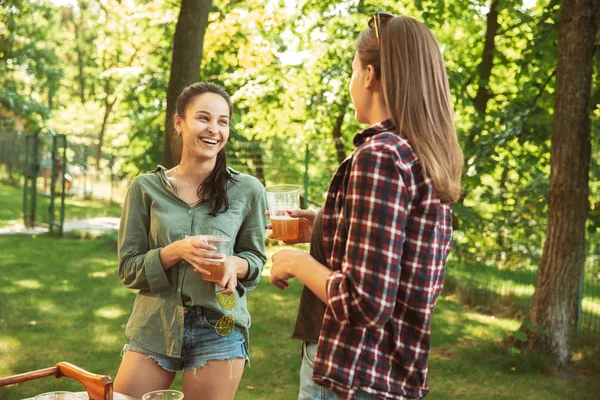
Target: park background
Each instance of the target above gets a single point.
(520, 313)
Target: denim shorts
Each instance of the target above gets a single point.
(310, 390)
(201, 343)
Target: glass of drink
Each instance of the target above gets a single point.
(56, 396)
(163, 395)
(222, 243)
(280, 199)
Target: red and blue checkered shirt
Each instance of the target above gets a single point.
(386, 236)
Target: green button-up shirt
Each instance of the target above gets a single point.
(153, 216)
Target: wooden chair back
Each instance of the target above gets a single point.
(98, 387)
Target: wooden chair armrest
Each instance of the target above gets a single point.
(28, 376)
(99, 387)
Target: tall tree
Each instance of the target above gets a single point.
(185, 66)
(487, 59)
(559, 273)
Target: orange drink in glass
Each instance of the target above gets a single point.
(281, 199)
(222, 244)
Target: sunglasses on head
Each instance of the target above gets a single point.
(376, 22)
(225, 324)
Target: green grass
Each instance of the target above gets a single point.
(61, 300)
(11, 207)
(510, 293)
(470, 361)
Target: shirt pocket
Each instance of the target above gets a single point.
(167, 225)
(229, 222)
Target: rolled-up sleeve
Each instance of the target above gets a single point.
(250, 242)
(363, 292)
(139, 266)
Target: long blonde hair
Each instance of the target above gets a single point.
(416, 92)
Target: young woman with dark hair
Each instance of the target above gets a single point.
(179, 321)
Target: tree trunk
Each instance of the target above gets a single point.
(108, 103)
(559, 273)
(337, 130)
(185, 67)
(259, 170)
(487, 59)
(108, 106)
(483, 95)
(80, 66)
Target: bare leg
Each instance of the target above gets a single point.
(217, 380)
(140, 374)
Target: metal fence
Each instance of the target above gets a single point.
(510, 293)
(10, 151)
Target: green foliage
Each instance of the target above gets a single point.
(506, 149)
(89, 66)
(30, 111)
(522, 335)
(141, 149)
(81, 68)
(28, 70)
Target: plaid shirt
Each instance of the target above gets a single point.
(386, 236)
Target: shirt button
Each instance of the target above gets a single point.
(189, 212)
(187, 236)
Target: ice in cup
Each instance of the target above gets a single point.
(280, 199)
(222, 244)
(163, 395)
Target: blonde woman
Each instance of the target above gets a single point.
(379, 244)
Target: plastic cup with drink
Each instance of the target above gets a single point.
(281, 199)
(57, 396)
(222, 244)
(163, 395)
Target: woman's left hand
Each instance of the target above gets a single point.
(284, 262)
(228, 282)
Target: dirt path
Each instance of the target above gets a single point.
(95, 225)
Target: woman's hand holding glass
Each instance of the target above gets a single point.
(284, 263)
(306, 219)
(199, 254)
(228, 282)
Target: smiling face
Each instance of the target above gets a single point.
(204, 127)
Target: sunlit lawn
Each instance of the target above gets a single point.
(491, 288)
(61, 299)
(11, 207)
